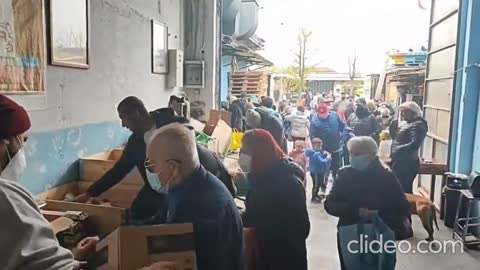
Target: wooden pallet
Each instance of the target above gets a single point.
(253, 83)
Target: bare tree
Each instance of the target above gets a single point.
(301, 57)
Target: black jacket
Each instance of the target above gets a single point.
(408, 139)
(135, 153)
(237, 115)
(276, 208)
(274, 125)
(364, 124)
(376, 188)
(384, 125)
(201, 199)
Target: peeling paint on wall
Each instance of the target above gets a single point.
(52, 156)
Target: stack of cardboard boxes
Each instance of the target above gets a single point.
(122, 247)
(125, 247)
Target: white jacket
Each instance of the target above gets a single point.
(300, 124)
(26, 239)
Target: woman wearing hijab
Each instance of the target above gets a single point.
(276, 203)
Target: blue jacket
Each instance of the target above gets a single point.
(203, 200)
(329, 130)
(347, 134)
(319, 161)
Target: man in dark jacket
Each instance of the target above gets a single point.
(407, 141)
(328, 126)
(362, 121)
(263, 118)
(238, 110)
(196, 196)
(349, 110)
(136, 118)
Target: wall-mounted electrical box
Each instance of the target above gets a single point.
(175, 69)
(194, 74)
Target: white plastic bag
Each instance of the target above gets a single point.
(384, 149)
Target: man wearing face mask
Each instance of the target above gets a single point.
(362, 121)
(367, 188)
(196, 196)
(26, 239)
(137, 119)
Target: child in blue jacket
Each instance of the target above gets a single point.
(319, 167)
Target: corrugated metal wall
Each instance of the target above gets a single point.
(442, 49)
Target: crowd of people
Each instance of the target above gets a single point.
(339, 139)
(187, 183)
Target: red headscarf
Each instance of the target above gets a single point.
(265, 151)
(14, 119)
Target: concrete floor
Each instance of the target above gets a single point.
(322, 246)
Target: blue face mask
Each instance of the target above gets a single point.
(155, 183)
(360, 162)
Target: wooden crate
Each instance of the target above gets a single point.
(93, 167)
(120, 195)
(105, 218)
(253, 83)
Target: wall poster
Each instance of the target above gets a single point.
(22, 46)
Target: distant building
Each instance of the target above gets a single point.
(332, 82)
(404, 78)
(370, 85)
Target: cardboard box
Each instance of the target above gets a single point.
(93, 167)
(120, 195)
(133, 247)
(105, 219)
(214, 117)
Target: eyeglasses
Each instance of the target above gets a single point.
(149, 164)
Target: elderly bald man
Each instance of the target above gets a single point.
(196, 196)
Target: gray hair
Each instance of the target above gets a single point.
(384, 112)
(175, 141)
(253, 119)
(413, 107)
(368, 144)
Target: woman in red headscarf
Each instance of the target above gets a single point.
(275, 205)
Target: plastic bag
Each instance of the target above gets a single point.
(352, 241)
(384, 149)
(237, 138)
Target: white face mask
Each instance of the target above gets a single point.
(155, 183)
(245, 162)
(15, 167)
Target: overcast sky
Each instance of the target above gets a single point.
(340, 27)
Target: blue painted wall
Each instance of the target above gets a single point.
(465, 146)
(52, 156)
